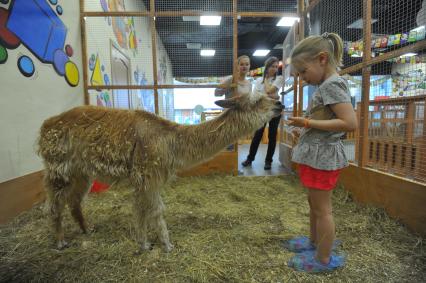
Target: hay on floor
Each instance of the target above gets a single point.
(224, 229)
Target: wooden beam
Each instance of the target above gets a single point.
(300, 10)
(398, 100)
(311, 6)
(117, 14)
(154, 54)
(266, 14)
(295, 85)
(84, 52)
(186, 13)
(365, 98)
(99, 87)
(234, 64)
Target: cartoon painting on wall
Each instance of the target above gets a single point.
(146, 96)
(162, 70)
(123, 27)
(36, 25)
(99, 77)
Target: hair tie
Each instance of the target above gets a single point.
(326, 36)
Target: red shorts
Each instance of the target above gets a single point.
(318, 179)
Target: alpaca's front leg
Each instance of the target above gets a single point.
(142, 219)
(160, 224)
(149, 209)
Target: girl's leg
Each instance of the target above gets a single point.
(325, 230)
(312, 222)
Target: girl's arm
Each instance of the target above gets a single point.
(345, 121)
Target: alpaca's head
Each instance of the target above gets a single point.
(255, 110)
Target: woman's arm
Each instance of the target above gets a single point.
(272, 89)
(345, 121)
(224, 87)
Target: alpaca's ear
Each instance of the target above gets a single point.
(226, 103)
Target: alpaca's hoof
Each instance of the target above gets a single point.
(168, 247)
(146, 246)
(88, 229)
(62, 244)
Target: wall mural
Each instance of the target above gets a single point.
(146, 96)
(99, 77)
(36, 25)
(123, 27)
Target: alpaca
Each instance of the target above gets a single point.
(112, 145)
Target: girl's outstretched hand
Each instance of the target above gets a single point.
(296, 121)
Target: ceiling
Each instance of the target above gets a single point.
(393, 16)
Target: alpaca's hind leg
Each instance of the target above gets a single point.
(78, 190)
(56, 190)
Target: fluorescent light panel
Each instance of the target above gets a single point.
(261, 52)
(207, 52)
(193, 45)
(210, 20)
(190, 18)
(287, 21)
(410, 54)
(358, 24)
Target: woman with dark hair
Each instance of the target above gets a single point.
(268, 85)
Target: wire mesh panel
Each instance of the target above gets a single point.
(186, 105)
(116, 6)
(194, 50)
(119, 51)
(396, 128)
(289, 6)
(396, 24)
(343, 18)
(194, 5)
(123, 98)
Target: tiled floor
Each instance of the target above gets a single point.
(256, 169)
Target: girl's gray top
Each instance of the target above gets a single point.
(317, 148)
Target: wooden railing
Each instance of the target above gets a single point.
(397, 137)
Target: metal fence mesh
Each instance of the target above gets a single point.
(117, 46)
(115, 6)
(187, 43)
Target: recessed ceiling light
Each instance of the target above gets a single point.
(261, 52)
(210, 20)
(358, 24)
(207, 52)
(193, 45)
(287, 21)
(190, 18)
(410, 54)
(418, 28)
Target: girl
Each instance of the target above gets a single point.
(268, 85)
(320, 151)
(241, 83)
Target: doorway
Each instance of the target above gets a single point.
(121, 75)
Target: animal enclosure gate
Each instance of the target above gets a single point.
(164, 41)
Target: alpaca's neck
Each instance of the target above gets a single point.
(202, 141)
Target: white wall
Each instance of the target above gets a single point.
(26, 102)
